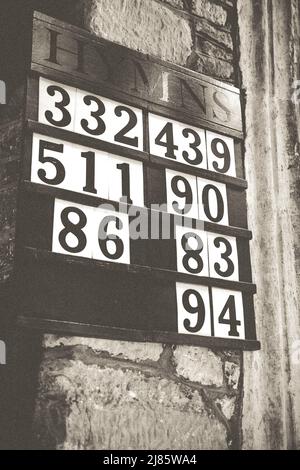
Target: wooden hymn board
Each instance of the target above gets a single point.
(132, 217)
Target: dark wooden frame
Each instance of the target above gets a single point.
(61, 73)
(150, 161)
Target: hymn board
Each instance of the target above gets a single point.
(133, 221)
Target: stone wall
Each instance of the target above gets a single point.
(11, 126)
(10, 155)
(115, 395)
(99, 394)
(270, 51)
(10, 152)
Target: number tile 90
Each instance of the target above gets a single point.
(196, 197)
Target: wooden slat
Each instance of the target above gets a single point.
(122, 334)
(93, 143)
(86, 141)
(160, 274)
(96, 202)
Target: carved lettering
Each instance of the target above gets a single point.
(219, 99)
(117, 68)
(78, 53)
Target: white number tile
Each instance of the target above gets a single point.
(113, 123)
(193, 323)
(192, 260)
(48, 167)
(74, 164)
(217, 210)
(115, 179)
(157, 124)
(48, 103)
(70, 231)
(226, 145)
(220, 298)
(98, 230)
(85, 111)
(190, 185)
(218, 256)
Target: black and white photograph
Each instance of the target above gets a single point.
(149, 228)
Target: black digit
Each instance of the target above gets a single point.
(121, 136)
(187, 194)
(61, 105)
(100, 129)
(90, 172)
(194, 146)
(225, 256)
(60, 170)
(104, 238)
(191, 253)
(124, 167)
(199, 309)
(75, 229)
(225, 155)
(167, 131)
(233, 322)
(220, 203)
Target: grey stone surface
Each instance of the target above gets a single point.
(119, 349)
(210, 49)
(87, 407)
(232, 374)
(213, 12)
(271, 412)
(198, 365)
(175, 3)
(145, 26)
(227, 406)
(214, 67)
(222, 37)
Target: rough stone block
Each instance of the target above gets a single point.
(8, 202)
(212, 50)
(87, 407)
(227, 406)
(199, 365)
(211, 11)
(175, 3)
(121, 349)
(6, 259)
(232, 374)
(149, 27)
(214, 67)
(222, 37)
